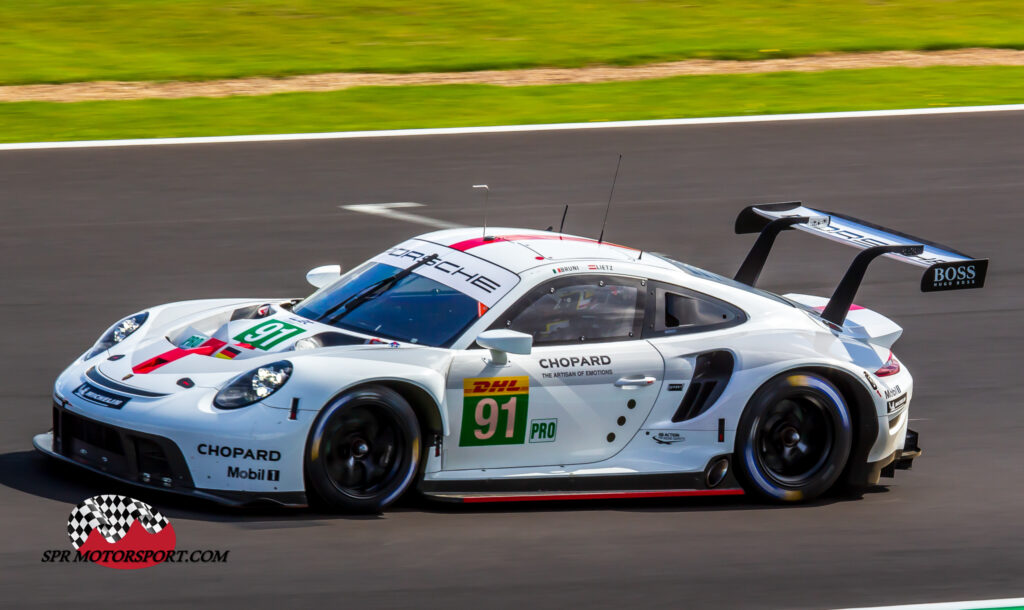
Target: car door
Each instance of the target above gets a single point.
(581, 394)
(684, 326)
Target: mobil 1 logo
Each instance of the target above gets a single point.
(543, 430)
(253, 474)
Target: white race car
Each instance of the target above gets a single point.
(516, 364)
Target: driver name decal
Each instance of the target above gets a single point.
(494, 411)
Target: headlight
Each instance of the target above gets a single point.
(253, 386)
(118, 333)
(306, 343)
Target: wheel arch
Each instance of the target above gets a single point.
(865, 421)
(426, 407)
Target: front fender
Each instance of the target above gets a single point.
(317, 379)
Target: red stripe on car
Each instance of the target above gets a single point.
(206, 349)
(483, 241)
(605, 495)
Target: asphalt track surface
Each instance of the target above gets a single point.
(94, 234)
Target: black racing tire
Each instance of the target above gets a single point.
(363, 451)
(794, 438)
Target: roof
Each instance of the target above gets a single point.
(520, 249)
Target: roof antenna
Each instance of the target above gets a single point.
(609, 206)
(564, 212)
(487, 195)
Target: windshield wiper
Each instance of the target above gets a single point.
(374, 290)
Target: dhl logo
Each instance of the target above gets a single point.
(496, 385)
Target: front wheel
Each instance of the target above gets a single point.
(363, 451)
(794, 438)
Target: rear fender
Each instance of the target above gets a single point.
(861, 323)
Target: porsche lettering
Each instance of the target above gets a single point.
(451, 268)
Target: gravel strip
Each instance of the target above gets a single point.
(134, 90)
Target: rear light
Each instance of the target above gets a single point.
(891, 367)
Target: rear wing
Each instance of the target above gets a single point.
(945, 268)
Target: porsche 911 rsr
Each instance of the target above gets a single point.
(508, 365)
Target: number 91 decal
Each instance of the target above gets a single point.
(494, 411)
(266, 335)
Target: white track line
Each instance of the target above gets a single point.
(968, 605)
(389, 210)
(392, 133)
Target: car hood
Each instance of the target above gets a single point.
(210, 347)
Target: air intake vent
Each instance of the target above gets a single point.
(710, 376)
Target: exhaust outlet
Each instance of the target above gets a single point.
(716, 471)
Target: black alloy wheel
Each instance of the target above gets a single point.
(364, 450)
(794, 438)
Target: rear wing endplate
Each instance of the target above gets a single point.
(945, 268)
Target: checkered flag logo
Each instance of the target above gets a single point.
(113, 515)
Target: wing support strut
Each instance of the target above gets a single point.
(751, 268)
(842, 299)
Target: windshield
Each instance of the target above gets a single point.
(415, 309)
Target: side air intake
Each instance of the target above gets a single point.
(710, 376)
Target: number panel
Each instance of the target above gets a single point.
(494, 411)
(268, 334)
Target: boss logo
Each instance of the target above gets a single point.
(953, 276)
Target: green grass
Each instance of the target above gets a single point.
(67, 40)
(466, 105)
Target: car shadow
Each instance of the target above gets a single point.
(33, 473)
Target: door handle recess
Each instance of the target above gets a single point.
(635, 382)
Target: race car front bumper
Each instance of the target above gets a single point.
(137, 458)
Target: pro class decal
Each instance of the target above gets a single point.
(266, 335)
(97, 396)
(494, 411)
(543, 430)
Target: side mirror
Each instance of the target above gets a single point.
(322, 276)
(503, 342)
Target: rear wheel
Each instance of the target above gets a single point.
(794, 438)
(363, 451)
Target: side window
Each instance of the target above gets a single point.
(676, 310)
(579, 309)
